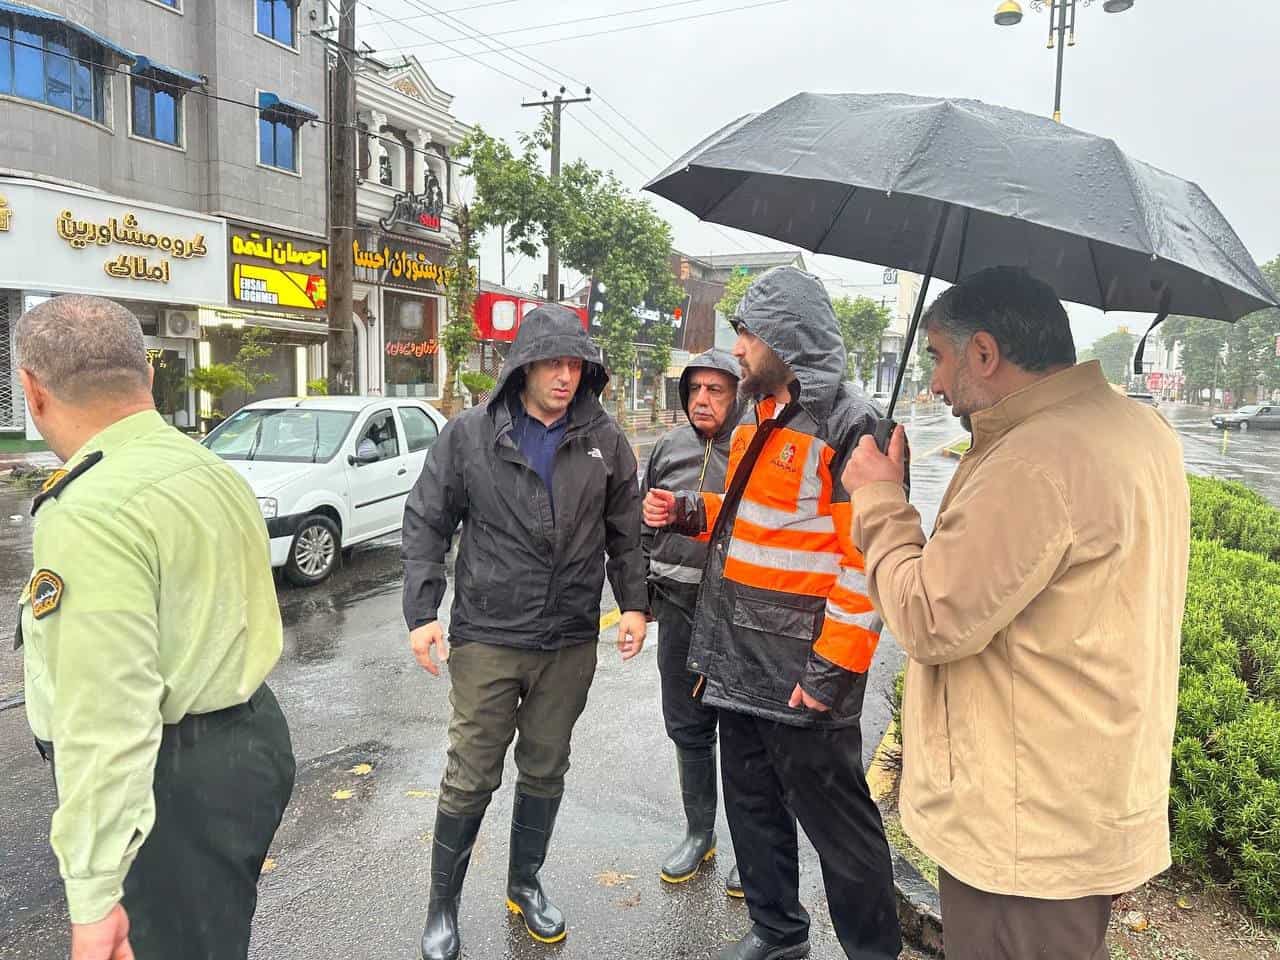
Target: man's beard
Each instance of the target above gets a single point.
(768, 378)
(969, 398)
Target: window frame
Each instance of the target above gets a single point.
(291, 46)
(175, 7)
(180, 114)
(80, 52)
(408, 438)
(298, 124)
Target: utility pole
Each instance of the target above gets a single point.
(342, 206)
(557, 105)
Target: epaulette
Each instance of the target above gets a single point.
(59, 480)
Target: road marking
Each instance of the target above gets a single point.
(610, 619)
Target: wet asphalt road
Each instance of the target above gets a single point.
(351, 875)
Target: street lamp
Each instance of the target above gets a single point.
(1062, 28)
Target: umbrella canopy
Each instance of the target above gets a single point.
(946, 188)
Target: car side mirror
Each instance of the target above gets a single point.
(366, 453)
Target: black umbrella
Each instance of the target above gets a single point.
(946, 188)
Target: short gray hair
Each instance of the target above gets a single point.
(83, 348)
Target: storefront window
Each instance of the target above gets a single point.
(412, 346)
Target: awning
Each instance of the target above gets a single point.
(145, 67)
(238, 319)
(275, 104)
(22, 10)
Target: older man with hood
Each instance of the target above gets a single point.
(692, 457)
(784, 632)
(543, 482)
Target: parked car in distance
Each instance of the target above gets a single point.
(1146, 398)
(328, 472)
(881, 399)
(1256, 416)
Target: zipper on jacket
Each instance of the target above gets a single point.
(706, 458)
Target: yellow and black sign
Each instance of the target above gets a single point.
(276, 271)
(46, 593)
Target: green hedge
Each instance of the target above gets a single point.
(1225, 798)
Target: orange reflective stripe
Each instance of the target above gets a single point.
(842, 514)
(782, 581)
(712, 502)
(818, 542)
(846, 645)
(849, 601)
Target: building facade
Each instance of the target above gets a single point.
(703, 280)
(405, 230)
(122, 176)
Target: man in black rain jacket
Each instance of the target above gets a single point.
(692, 457)
(543, 482)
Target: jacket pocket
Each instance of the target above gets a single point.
(767, 648)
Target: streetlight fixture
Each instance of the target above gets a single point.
(1062, 28)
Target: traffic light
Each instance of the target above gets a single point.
(597, 303)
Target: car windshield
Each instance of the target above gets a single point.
(1249, 410)
(293, 435)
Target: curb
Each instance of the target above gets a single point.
(919, 905)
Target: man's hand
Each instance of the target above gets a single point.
(108, 939)
(659, 508)
(801, 699)
(631, 630)
(868, 465)
(428, 637)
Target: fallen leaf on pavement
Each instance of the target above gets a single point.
(1136, 922)
(341, 795)
(612, 878)
(631, 901)
(268, 865)
(421, 794)
(1184, 903)
(362, 769)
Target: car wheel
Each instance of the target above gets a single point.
(315, 551)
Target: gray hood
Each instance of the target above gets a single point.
(790, 311)
(551, 330)
(724, 362)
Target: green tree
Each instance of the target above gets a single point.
(734, 290)
(459, 332)
(620, 240)
(862, 326)
(1115, 352)
(244, 373)
(1202, 344)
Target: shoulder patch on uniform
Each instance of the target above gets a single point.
(47, 589)
(59, 480)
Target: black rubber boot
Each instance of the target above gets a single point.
(450, 854)
(752, 947)
(532, 822)
(698, 791)
(733, 884)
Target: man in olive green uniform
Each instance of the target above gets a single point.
(147, 629)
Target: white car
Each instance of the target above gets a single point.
(328, 472)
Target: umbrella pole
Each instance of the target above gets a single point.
(917, 313)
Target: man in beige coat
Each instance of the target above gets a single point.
(1042, 622)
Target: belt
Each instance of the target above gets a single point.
(188, 731)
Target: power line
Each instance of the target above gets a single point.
(460, 53)
(425, 16)
(636, 26)
(559, 23)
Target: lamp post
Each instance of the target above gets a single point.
(1062, 28)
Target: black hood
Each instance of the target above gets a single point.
(790, 311)
(551, 330)
(724, 362)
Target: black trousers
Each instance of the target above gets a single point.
(774, 775)
(690, 724)
(222, 783)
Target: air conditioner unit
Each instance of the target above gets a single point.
(180, 324)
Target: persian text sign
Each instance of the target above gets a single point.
(278, 271)
(69, 241)
(400, 263)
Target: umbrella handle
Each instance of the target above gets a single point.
(884, 431)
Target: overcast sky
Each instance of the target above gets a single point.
(1187, 85)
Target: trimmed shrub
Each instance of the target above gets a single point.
(1225, 796)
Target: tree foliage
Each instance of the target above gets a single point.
(862, 326)
(459, 332)
(734, 291)
(1115, 353)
